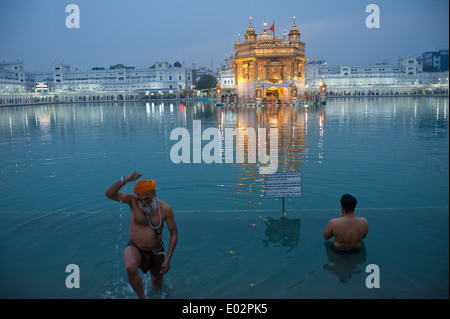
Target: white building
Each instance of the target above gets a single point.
(160, 76)
(225, 74)
(406, 77)
(12, 77)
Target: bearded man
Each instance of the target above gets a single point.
(145, 250)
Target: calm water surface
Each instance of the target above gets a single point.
(56, 161)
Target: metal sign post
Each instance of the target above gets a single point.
(283, 185)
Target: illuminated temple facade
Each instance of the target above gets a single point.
(268, 69)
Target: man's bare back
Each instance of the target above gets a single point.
(347, 230)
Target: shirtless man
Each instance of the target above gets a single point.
(348, 230)
(145, 249)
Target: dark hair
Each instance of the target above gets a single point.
(348, 202)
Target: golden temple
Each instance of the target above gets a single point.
(268, 69)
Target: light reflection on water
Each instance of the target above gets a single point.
(347, 144)
(391, 153)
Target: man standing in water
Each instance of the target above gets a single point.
(348, 230)
(145, 249)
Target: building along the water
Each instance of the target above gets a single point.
(161, 80)
(405, 78)
(160, 76)
(383, 79)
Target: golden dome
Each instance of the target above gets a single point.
(250, 34)
(294, 30)
(264, 37)
(251, 30)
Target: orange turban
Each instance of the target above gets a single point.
(145, 186)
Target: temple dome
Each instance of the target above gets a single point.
(294, 33)
(263, 37)
(251, 30)
(294, 30)
(250, 34)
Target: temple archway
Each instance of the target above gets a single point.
(276, 94)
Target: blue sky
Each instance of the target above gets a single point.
(140, 32)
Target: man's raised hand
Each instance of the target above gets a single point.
(134, 176)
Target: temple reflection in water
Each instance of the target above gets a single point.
(49, 124)
(292, 125)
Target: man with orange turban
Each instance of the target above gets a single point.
(145, 249)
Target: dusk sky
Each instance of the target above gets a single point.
(141, 32)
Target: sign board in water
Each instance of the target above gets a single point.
(284, 184)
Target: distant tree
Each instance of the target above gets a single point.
(98, 68)
(430, 68)
(120, 66)
(117, 66)
(206, 82)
